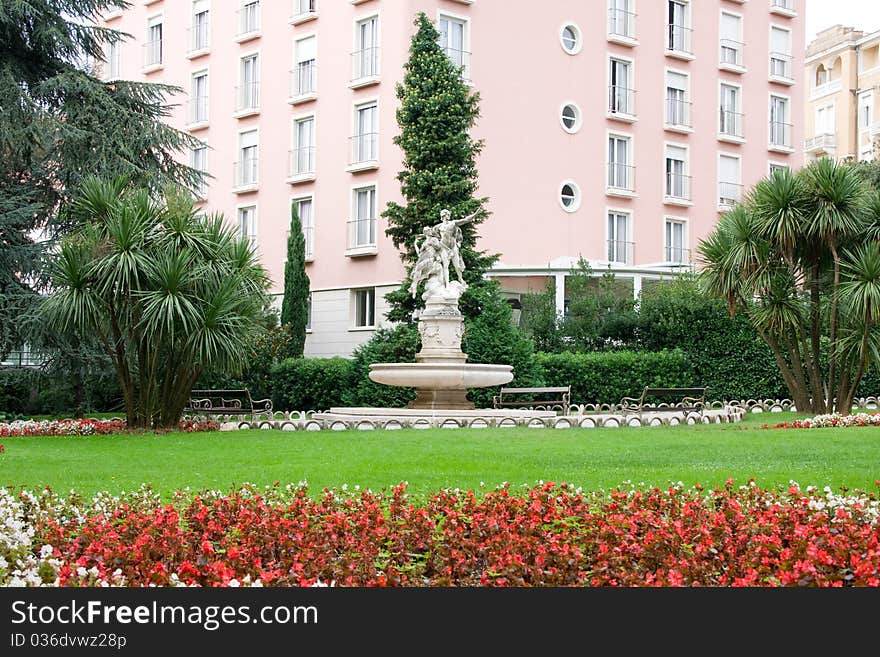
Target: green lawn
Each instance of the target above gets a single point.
(431, 459)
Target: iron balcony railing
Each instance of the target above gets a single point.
(729, 194)
(622, 23)
(678, 38)
(678, 113)
(365, 63)
(621, 176)
(678, 186)
(621, 100)
(361, 232)
(461, 59)
(198, 110)
(304, 79)
(780, 65)
(246, 172)
(302, 161)
(249, 19)
(731, 52)
(364, 148)
(678, 255)
(731, 123)
(621, 252)
(153, 53)
(247, 96)
(198, 37)
(780, 134)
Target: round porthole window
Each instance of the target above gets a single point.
(570, 117)
(571, 38)
(569, 196)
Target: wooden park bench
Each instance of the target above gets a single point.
(561, 400)
(689, 399)
(226, 402)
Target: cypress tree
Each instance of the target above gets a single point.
(295, 306)
(437, 110)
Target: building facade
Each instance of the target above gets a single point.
(615, 131)
(842, 73)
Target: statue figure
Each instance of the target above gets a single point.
(440, 247)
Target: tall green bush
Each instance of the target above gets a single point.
(309, 384)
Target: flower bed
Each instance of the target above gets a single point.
(550, 535)
(831, 420)
(89, 427)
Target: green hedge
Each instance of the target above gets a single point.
(606, 377)
(303, 384)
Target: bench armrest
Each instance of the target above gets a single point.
(262, 404)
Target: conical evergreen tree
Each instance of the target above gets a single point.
(437, 111)
(295, 306)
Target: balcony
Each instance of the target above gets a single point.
(197, 113)
(198, 41)
(678, 189)
(678, 41)
(678, 115)
(780, 136)
(730, 127)
(245, 175)
(248, 22)
(783, 8)
(247, 99)
(822, 144)
(780, 68)
(677, 255)
(622, 27)
(362, 237)
(729, 194)
(621, 252)
(875, 129)
(365, 68)
(621, 103)
(621, 180)
(152, 56)
(302, 165)
(303, 82)
(364, 149)
(303, 11)
(830, 87)
(462, 60)
(731, 56)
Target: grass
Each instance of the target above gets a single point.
(432, 459)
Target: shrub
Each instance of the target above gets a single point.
(387, 345)
(302, 384)
(606, 377)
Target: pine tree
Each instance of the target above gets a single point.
(437, 110)
(295, 306)
(59, 124)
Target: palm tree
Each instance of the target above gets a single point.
(165, 291)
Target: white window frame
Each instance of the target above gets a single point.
(358, 79)
(191, 119)
(354, 309)
(738, 158)
(688, 31)
(579, 35)
(687, 200)
(352, 249)
(738, 111)
(687, 129)
(255, 109)
(153, 20)
(357, 163)
(295, 120)
(246, 186)
(727, 66)
(668, 247)
(579, 117)
(629, 117)
(202, 192)
(192, 49)
(240, 34)
(631, 18)
(790, 124)
(465, 39)
(309, 238)
(238, 208)
(628, 213)
(296, 65)
(630, 162)
(576, 202)
(781, 79)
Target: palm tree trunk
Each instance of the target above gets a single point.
(798, 393)
(797, 369)
(818, 405)
(832, 365)
(863, 364)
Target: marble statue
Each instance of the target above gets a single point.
(438, 248)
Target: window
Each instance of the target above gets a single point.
(569, 196)
(780, 53)
(199, 35)
(249, 91)
(305, 211)
(774, 167)
(570, 117)
(675, 242)
(365, 308)
(303, 146)
(453, 32)
(729, 186)
(677, 180)
(114, 60)
(198, 160)
(621, 96)
(302, 7)
(865, 103)
(780, 125)
(825, 120)
(247, 223)
(309, 313)
(620, 173)
(619, 243)
(821, 75)
(248, 162)
(731, 119)
(678, 33)
(199, 98)
(366, 56)
(570, 37)
(305, 72)
(363, 231)
(678, 111)
(366, 132)
(154, 42)
(731, 40)
(621, 19)
(249, 17)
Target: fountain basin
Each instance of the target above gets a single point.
(441, 376)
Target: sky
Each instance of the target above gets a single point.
(860, 14)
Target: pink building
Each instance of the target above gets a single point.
(615, 130)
